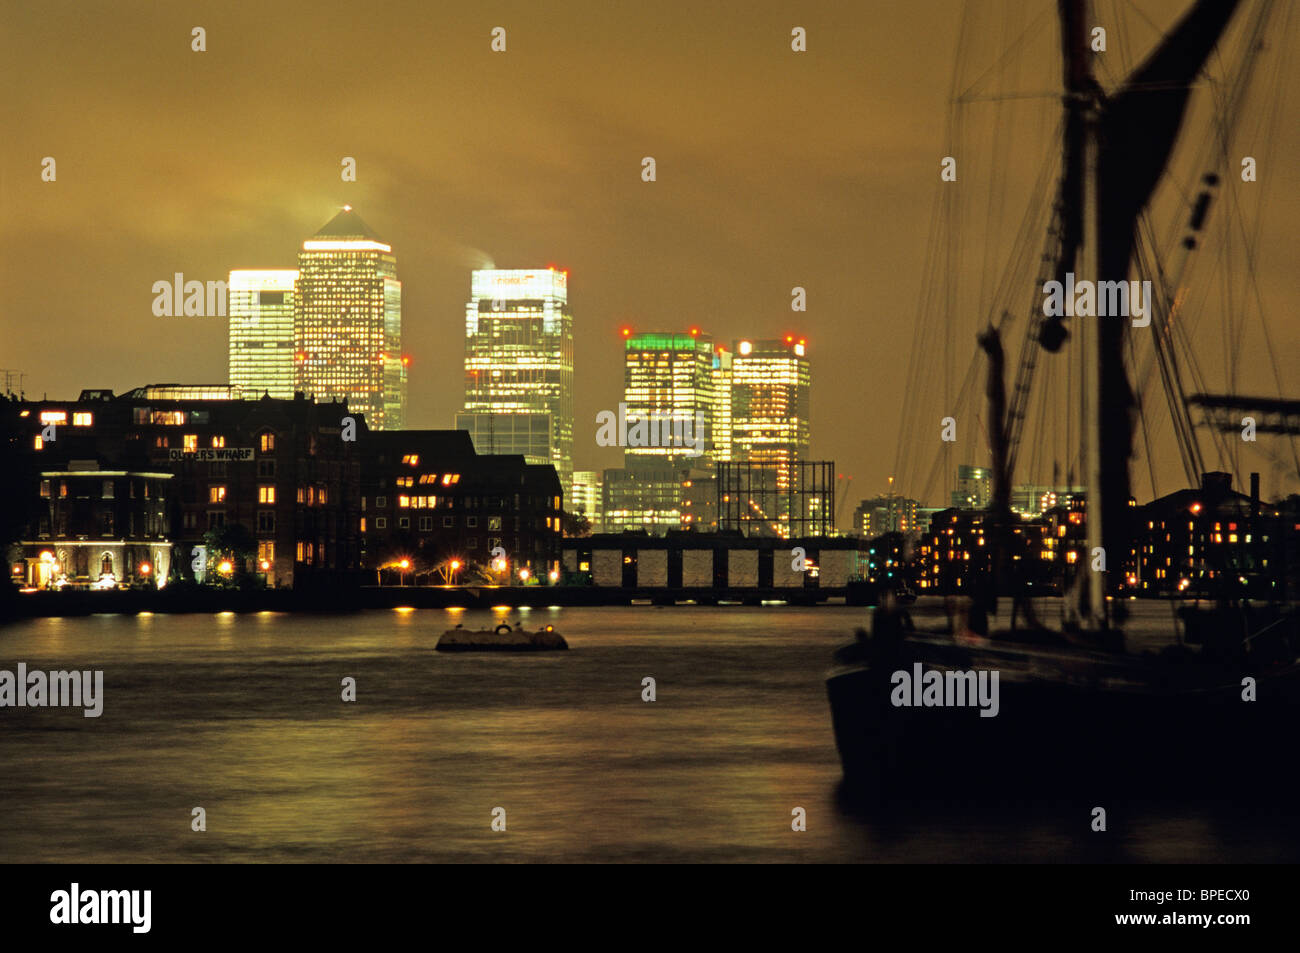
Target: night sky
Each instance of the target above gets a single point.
(775, 169)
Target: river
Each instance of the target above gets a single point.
(242, 715)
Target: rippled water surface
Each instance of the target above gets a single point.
(241, 714)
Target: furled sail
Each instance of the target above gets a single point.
(1138, 129)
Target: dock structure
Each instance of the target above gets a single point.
(712, 566)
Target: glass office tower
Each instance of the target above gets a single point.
(670, 376)
(348, 321)
(519, 366)
(770, 400)
(261, 331)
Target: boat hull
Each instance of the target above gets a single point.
(515, 640)
(1053, 739)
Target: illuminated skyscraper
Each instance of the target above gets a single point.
(721, 427)
(348, 321)
(672, 410)
(668, 377)
(770, 384)
(261, 332)
(519, 366)
(769, 487)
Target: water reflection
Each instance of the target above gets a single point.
(243, 715)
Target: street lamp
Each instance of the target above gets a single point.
(448, 571)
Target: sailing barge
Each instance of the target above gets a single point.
(1077, 717)
(1072, 720)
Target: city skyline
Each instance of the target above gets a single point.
(243, 282)
(718, 232)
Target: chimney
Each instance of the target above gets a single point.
(1254, 494)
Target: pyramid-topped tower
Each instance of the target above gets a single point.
(348, 321)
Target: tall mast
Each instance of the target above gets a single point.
(1116, 150)
(1094, 358)
(1080, 246)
